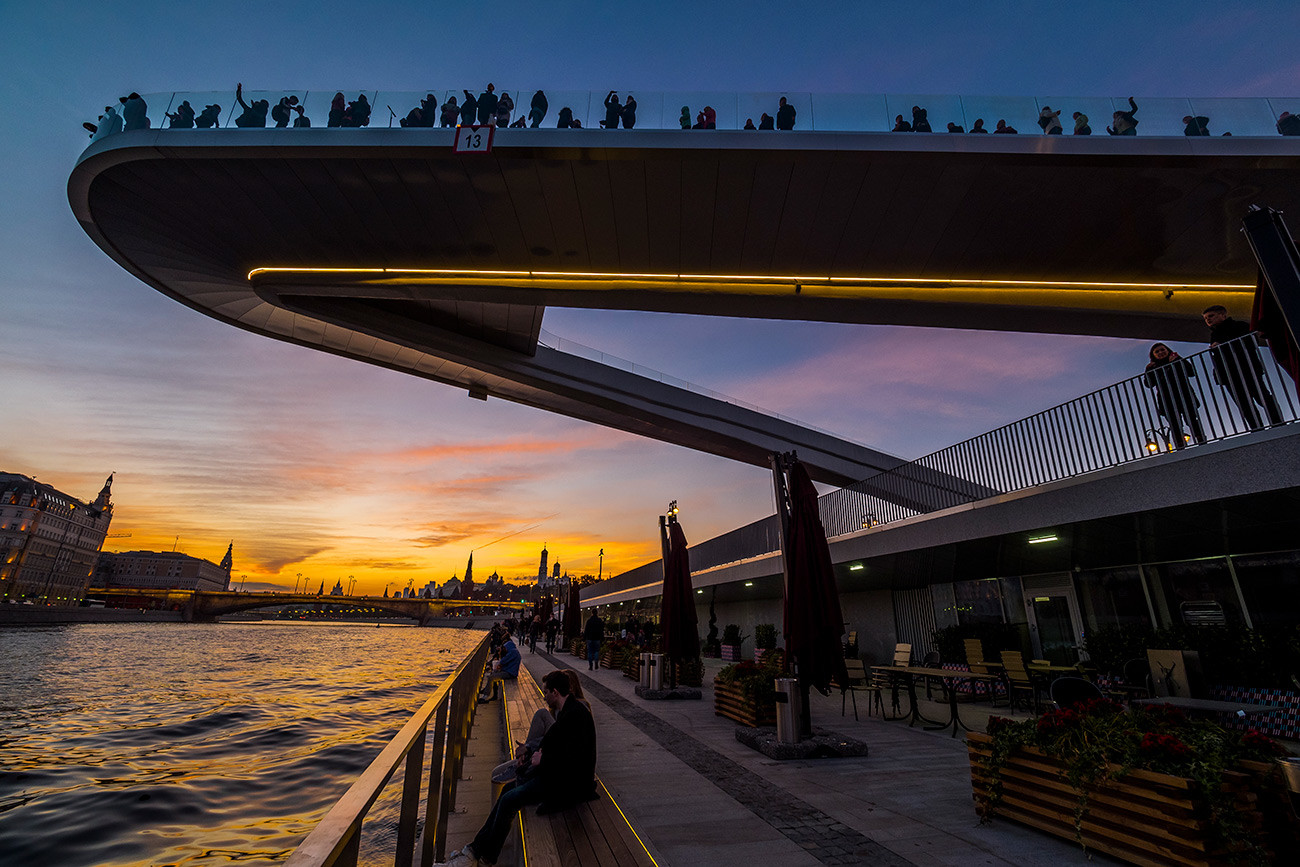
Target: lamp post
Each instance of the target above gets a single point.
(296, 581)
(352, 582)
(600, 567)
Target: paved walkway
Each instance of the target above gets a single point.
(697, 796)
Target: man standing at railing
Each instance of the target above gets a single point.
(562, 773)
(1237, 367)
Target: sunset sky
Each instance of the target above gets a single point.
(318, 465)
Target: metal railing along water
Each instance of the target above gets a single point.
(1212, 395)
(835, 112)
(336, 840)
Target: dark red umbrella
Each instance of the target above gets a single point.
(813, 620)
(547, 604)
(573, 614)
(677, 618)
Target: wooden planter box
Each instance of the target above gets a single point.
(758, 654)
(731, 653)
(1143, 818)
(728, 701)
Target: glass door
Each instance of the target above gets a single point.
(1055, 626)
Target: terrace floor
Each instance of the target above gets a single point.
(697, 796)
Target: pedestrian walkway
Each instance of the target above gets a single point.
(697, 796)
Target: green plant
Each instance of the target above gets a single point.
(765, 636)
(1099, 740)
(1232, 654)
(756, 681)
(731, 635)
(690, 672)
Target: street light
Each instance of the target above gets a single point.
(352, 582)
(295, 583)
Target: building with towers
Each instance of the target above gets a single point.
(49, 540)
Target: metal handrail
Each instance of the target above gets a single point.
(336, 840)
(1109, 427)
(1195, 401)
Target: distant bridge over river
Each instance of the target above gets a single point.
(208, 605)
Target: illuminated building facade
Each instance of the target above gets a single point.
(163, 570)
(49, 541)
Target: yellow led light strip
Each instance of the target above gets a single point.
(471, 274)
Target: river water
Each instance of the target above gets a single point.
(200, 744)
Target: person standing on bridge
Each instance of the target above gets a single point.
(1237, 367)
(593, 633)
(487, 106)
(613, 111)
(563, 773)
(785, 115)
(1169, 374)
(920, 120)
(1124, 123)
(1081, 124)
(537, 109)
(1050, 121)
(1198, 125)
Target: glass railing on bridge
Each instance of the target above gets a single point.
(838, 112)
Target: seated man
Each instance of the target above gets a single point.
(506, 666)
(563, 773)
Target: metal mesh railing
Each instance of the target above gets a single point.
(1213, 395)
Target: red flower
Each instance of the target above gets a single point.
(1158, 746)
(1258, 742)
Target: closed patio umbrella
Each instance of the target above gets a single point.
(573, 614)
(677, 618)
(813, 619)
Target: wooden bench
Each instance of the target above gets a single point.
(591, 834)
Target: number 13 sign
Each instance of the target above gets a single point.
(473, 139)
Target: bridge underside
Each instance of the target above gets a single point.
(384, 246)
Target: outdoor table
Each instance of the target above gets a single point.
(1209, 705)
(949, 678)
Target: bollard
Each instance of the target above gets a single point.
(788, 710)
(645, 671)
(656, 671)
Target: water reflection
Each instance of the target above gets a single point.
(200, 744)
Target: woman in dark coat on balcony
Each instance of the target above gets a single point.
(1170, 375)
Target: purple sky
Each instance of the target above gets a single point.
(330, 468)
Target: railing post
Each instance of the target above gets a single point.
(434, 843)
(411, 780)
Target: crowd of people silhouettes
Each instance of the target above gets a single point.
(491, 109)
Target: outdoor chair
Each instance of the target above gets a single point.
(857, 680)
(1018, 678)
(1137, 681)
(932, 660)
(1069, 691)
(902, 654)
(977, 664)
(881, 681)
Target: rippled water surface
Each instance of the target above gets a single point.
(177, 743)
